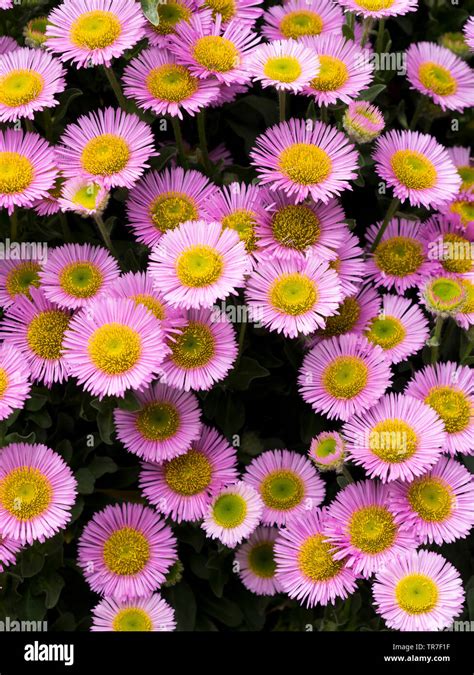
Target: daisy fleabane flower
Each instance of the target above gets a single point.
(14, 380)
(305, 158)
(306, 567)
(437, 506)
(83, 196)
(379, 9)
(8, 549)
(125, 551)
(29, 81)
(94, 31)
(297, 18)
(421, 591)
(468, 31)
(398, 438)
(7, 43)
(109, 146)
(213, 50)
(349, 264)
(133, 615)
(284, 64)
(255, 562)
(352, 316)
(236, 206)
(464, 163)
(6, 4)
(450, 245)
(327, 451)
(362, 121)
(417, 167)
(233, 514)
(292, 296)
(170, 14)
(363, 527)
(245, 12)
(16, 277)
(449, 295)
(438, 73)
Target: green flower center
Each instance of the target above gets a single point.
(81, 279)
(345, 377)
(293, 294)
(431, 498)
(282, 68)
(132, 619)
(261, 560)
(21, 277)
(26, 493)
(171, 82)
(95, 30)
(301, 22)
(413, 169)
(115, 348)
(437, 79)
(199, 266)
(243, 222)
(315, 559)
(282, 490)
(387, 332)
(20, 87)
(158, 421)
(194, 347)
(229, 511)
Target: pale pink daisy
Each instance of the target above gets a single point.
(398, 438)
(7, 43)
(83, 196)
(362, 121)
(133, 615)
(48, 205)
(327, 451)
(468, 30)
(8, 549)
(421, 591)
(14, 380)
(233, 514)
(349, 264)
(16, 277)
(344, 376)
(93, 32)
(417, 167)
(161, 201)
(462, 206)
(292, 296)
(297, 18)
(379, 9)
(37, 492)
(170, 14)
(108, 146)
(37, 327)
(448, 388)
(449, 295)
(245, 12)
(306, 567)
(255, 562)
(352, 316)
(305, 159)
(6, 4)
(125, 551)
(182, 487)
(449, 245)
(284, 64)
(464, 163)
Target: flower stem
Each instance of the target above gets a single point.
(243, 328)
(201, 125)
(366, 28)
(435, 340)
(115, 84)
(347, 474)
(65, 226)
(282, 104)
(103, 231)
(14, 225)
(324, 114)
(416, 114)
(380, 34)
(392, 209)
(179, 141)
(29, 125)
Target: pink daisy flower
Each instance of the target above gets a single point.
(93, 32)
(202, 353)
(37, 492)
(8, 549)
(448, 389)
(125, 551)
(136, 614)
(462, 207)
(16, 277)
(449, 295)
(255, 561)
(400, 260)
(76, 274)
(327, 450)
(297, 18)
(305, 160)
(287, 483)
(450, 245)
(309, 229)
(48, 205)
(233, 514)
(292, 296)
(306, 567)
(163, 427)
(349, 264)
(170, 14)
(468, 31)
(83, 196)
(245, 12)
(421, 591)
(398, 438)
(199, 263)
(362, 121)
(417, 167)
(161, 201)
(379, 9)
(7, 43)
(6, 4)
(352, 316)
(27, 168)
(14, 380)
(182, 487)
(113, 345)
(284, 64)
(345, 69)
(363, 527)
(437, 506)
(108, 146)
(157, 82)
(37, 328)
(211, 50)
(29, 81)
(464, 163)
(344, 376)
(400, 328)
(438, 73)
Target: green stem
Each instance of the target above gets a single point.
(115, 84)
(350, 19)
(347, 474)
(324, 114)
(29, 125)
(103, 231)
(14, 225)
(201, 125)
(178, 136)
(366, 28)
(435, 340)
(416, 114)
(380, 34)
(47, 124)
(392, 209)
(65, 226)
(242, 329)
(282, 104)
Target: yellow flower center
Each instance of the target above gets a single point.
(87, 196)
(171, 82)
(416, 594)
(170, 13)
(3, 382)
(296, 226)
(132, 619)
(437, 79)
(16, 172)
(20, 87)
(45, 333)
(467, 175)
(261, 560)
(468, 302)
(316, 561)
(464, 208)
(188, 474)
(151, 303)
(105, 155)
(342, 322)
(243, 222)
(393, 441)
(229, 511)
(95, 30)
(114, 348)
(81, 279)
(332, 75)
(293, 294)
(399, 256)
(372, 529)
(345, 377)
(413, 169)
(226, 8)
(457, 253)
(170, 209)
(374, 5)
(158, 421)
(194, 347)
(26, 493)
(301, 22)
(387, 332)
(216, 53)
(452, 405)
(282, 490)
(282, 68)
(20, 278)
(305, 164)
(199, 266)
(126, 551)
(431, 498)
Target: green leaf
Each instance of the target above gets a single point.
(36, 402)
(222, 609)
(18, 438)
(85, 481)
(182, 599)
(347, 32)
(102, 465)
(247, 370)
(150, 10)
(66, 99)
(265, 106)
(51, 586)
(105, 425)
(371, 93)
(31, 562)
